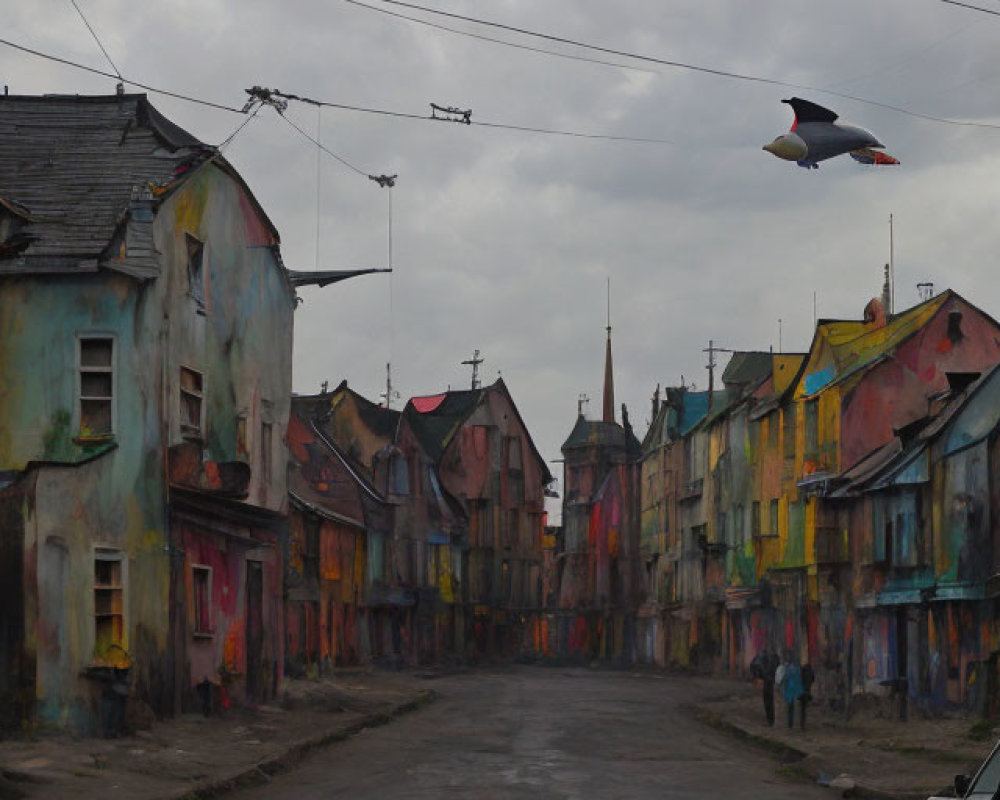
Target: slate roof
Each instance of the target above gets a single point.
(435, 429)
(74, 169)
(597, 433)
(746, 366)
(444, 415)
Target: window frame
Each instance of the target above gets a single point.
(202, 613)
(186, 427)
(91, 336)
(111, 555)
(196, 276)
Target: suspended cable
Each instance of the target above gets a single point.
(323, 147)
(515, 45)
(128, 81)
(706, 70)
(974, 8)
(96, 39)
(480, 123)
(319, 181)
(229, 139)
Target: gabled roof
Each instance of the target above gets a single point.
(378, 419)
(436, 419)
(323, 478)
(883, 466)
(75, 169)
(842, 348)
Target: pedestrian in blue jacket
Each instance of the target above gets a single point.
(790, 681)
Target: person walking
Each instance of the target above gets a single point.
(790, 682)
(762, 670)
(808, 678)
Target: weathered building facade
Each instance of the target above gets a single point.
(145, 340)
(833, 522)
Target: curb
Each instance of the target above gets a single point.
(262, 772)
(797, 763)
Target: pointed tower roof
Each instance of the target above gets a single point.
(609, 380)
(609, 383)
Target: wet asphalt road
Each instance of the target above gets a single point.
(543, 733)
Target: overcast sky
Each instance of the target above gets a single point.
(503, 241)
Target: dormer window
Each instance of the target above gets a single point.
(14, 240)
(195, 270)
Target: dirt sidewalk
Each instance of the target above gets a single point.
(872, 754)
(194, 756)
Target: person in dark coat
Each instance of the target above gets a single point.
(808, 677)
(762, 670)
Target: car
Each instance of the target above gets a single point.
(984, 784)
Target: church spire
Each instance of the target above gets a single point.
(609, 381)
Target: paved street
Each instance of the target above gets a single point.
(534, 732)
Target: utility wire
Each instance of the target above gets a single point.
(707, 70)
(515, 45)
(598, 48)
(500, 125)
(96, 39)
(974, 8)
(321, 146)
(229, 139)
(153, 89)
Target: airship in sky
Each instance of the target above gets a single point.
(816, 136)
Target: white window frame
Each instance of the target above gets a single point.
(112, 554)
(113, 369)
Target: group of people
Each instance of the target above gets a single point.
(794, 682)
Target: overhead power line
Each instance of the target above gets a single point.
(128, 81)
(482, 38)
(96, 39)
(722, 73)
(974, 8)
(462, 120)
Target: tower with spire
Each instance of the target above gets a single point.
(600, 585)
(609, 381)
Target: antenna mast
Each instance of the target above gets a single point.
(475, 361)
(892, 271)
(712, 350)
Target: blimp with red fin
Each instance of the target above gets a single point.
(816, 136)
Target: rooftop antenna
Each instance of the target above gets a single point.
(712, 350)
(892, 271)
(475, 361)
(389, 394)
(779, 335)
